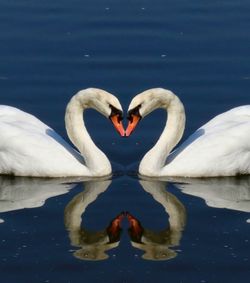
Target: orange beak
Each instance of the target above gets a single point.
(117, 124)
(134, 120)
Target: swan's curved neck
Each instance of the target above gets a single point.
(94, 158)
(154, 160)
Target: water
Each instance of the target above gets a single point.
(51, 49)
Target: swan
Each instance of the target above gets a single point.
(221, 147)
(28, 147)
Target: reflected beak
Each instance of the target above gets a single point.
(133, 121)
(118, 124)
(135, 229)
(114, 228)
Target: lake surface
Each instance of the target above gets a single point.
(194, 231)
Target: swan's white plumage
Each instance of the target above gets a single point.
(28, 147)
(221, 147)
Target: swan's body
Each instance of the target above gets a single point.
(221, 147)
(28, 147)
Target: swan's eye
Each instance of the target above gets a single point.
(116, 112)
(134, 112)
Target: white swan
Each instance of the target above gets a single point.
(28, 147)
(219, 148)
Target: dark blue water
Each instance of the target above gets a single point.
(51, 49)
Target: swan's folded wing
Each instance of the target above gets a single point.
(27, 144)
(221, 145)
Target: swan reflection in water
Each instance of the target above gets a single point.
(22, 192)
(228, 192)
(93, 244)
(159, 245)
